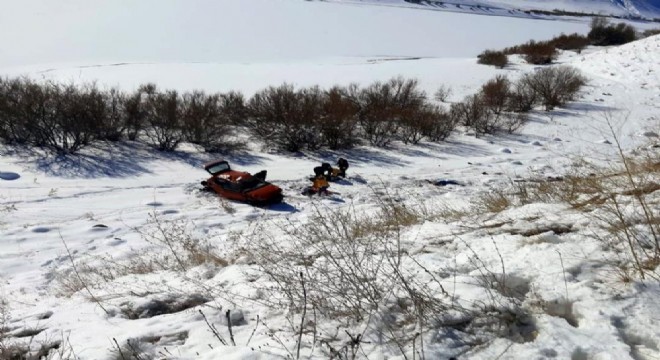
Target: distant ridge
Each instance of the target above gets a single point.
(634, 9)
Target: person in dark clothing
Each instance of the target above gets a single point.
(324, 170)
(343, 165)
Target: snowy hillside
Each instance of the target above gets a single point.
(502, 246)
(648, 9)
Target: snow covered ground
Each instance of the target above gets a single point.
(103, 210)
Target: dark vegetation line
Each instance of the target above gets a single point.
(554, 12)
(602, 33)
(66, 118)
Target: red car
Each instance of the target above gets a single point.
(241, 186)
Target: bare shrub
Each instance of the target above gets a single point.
(205, 121)
(650, 32)
(555, 86)
(603, 33)
(135, 111)
(540, 53)
(522, 97)
(164, 118)
(28, 112)
(436, 123)
(384, 105)
(512, 122)
(338, 125)
(286, 118)
(495, 93)
(15, 126)
(343, 266)
(430, 121)
(346, 279)
(573, 41)
(113, 125)
(493, 57)
(473, 113)
(232, 106)
(82, 117)
(443, 93)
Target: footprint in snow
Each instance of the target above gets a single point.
(115, 242)
(99, 227)
(9, 176)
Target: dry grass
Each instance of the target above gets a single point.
(493, 201)
(174, 248)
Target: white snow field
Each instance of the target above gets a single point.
(106, 210)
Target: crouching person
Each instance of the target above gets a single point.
(321, 185)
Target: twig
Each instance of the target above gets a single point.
(82, 282)
(503, 281)
(231, 334)
(213, 329)
(302, 320)
(253, 331)
(561, 261)
(119, 348)
(135, 351)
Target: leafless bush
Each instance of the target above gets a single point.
(232, 106)
(427, 121)
(522, 97)
(286, 118)
(341, 265)
(436, 123)
(384, 105)
(16, 124)
(204, 121)
(28, 112)
(555, 86)
(538, 53)
(62, 118)
(512, 122)
(135, 111)
(495, 93)
(603, 33)
(113, 126)
(164, 116)
(443, 93)
(573, 41)
(650, 32)
(493, 57)
(473, 113)
(338, 124)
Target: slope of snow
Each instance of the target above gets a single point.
(649, 9)
(52, 208)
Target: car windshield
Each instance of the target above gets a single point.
(251, 183)
(218, 168)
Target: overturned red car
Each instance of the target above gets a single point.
(240, 185)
